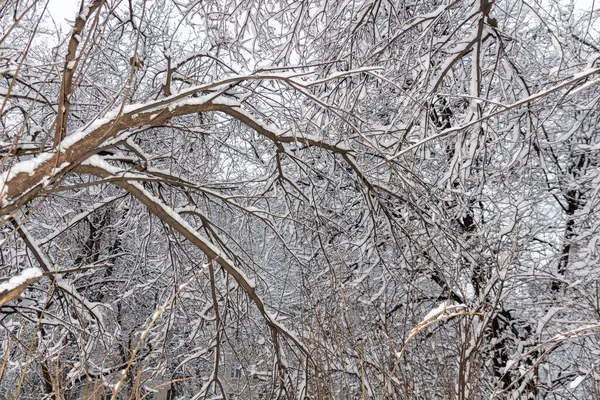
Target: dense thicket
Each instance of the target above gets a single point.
(346, 199)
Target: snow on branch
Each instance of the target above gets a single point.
(530, 99)
(444, 310)
(23, 181)
(95, 165)
(16, 284)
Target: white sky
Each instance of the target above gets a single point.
(62, 10)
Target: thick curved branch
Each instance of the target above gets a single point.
(24, 181)
(99, 168)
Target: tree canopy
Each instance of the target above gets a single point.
(300, 199)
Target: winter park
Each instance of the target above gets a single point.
(299, 199)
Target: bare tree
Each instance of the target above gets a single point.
(299, 199)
